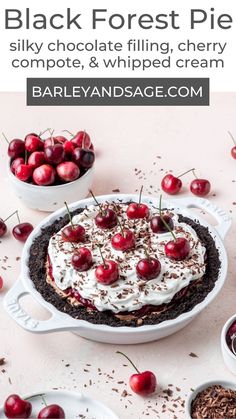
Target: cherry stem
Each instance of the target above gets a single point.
(140, 195)
(146, 253)
(15, 212)
(66, 130)
(99, 205)
(185, 173)
(194, 174)
(44, 401)
(232, 137)
(118, 220)
(35, 395)
(163, 220)
(69, 214)
(103, 260)
(51, 134)
(5, 138)
(26, 156)
(43, 132)
(121, 353)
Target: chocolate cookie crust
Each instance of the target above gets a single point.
(196, 292)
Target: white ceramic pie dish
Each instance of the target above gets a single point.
(121, 335)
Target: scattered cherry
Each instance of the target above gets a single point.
(15, 407)
(33, 143)
(106, 218)
(233, 149)
(36, 159)
(148, 268)
(142, 383)
(54, 154)
(83, 158)
(24, 172)
(3, 226)
(123, 241)
(107, 272)
(73, 233)
(52, 411)
(200, 187)
(82, 259)
(68, 171)
(1, 283)
(137, 210)
(158, 226)
(44, 175)
(22, 231)
(177, 249)
(172, 184)
(15, 163)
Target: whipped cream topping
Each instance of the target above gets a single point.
(128, 293)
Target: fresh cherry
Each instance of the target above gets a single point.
(54, 154)
(106, 218)
(157, 225)
(107, 272)
(60, 139)
(142, 383)
(73, 233)
(83, 158)
(24, 172)
(172, 184)
(177, 249)
(148, 268)
(137, 210)
(22, 231)
(33, 143)
(68, 171)
(68, 148)
(82, 259)
(16, 148)
(200, 187)
(1, 283)
(44, 175)
(15, 407)
(123, 241)
(15, 163)
(3, 226)
(52, 411)
(36, 159)
(233, 150)
(231, 337)
(81, 140)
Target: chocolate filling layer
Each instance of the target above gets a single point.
(196, 292)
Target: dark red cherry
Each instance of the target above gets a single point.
(22, 231)
(33, 143)
(106, 219)
(53, 411)
(3, 227)
(15, 407)
(171, 184)
(200, 187)
(15, 163)
(177, 249)
(83, 158)
(123, 241)
(158, 226)
(16, 148)
(148, 268)
(75, 233)
(81, 140)
(36, 159)
(82, 259)
(24, 172)
(107, 273)
(137, 211)
(54, 154)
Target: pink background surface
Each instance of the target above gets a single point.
(125, 139)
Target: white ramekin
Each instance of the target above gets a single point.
(51, 198)
(228, 356)
(201, 387)
(121, 335)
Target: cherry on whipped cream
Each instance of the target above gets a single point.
(108, 271)
(177, 249)
(137, 210)
(142, 383)
(148, 268)
(158, 226)
(106, 217)
(124, 240)
(73, 233)
(81, 259)
(15, 407)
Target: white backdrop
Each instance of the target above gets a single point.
(221, 79)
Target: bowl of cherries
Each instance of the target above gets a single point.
(46, 172)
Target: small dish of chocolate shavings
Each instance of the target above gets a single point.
(215, 401)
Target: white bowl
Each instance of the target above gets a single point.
(228, 356)
(103, 333)
(51, 198)
(201, 387)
